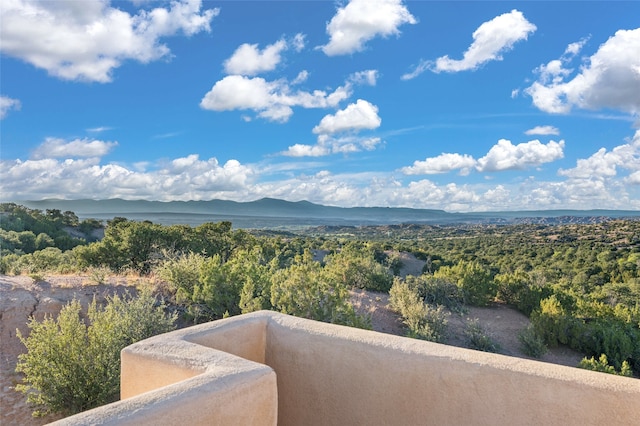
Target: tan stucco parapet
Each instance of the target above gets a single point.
(266, 368)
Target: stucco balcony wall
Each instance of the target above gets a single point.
(266, 368)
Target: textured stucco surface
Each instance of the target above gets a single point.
(266, 368)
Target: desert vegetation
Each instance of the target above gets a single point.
(579, 283)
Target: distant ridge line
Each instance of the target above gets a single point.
(304, 211)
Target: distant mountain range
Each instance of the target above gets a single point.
(274, 213)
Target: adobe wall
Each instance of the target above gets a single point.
(266, 368)
(331, 375)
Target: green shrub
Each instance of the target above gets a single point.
(98, 275)
(437, 291)
(358, 268)
(182, 273)
(72, 366)
(473, 279)
(422, 320)
(602, 365)
(552, 323)
(305, 290)
(478, 339)
(520, 289)
(531, 343)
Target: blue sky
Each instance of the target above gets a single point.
(461, 106)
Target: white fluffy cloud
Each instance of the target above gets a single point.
(490, 41)
(605, 164)
(610, 78)
(7, 104)
(274, 100)
(190, 178)
(362, 20)
(180, 179)
(502, 156)
(543, 130)
(328, 145)
(506, 156)
(86, 40)
(60, 148)
(443, 163)
(248, 59)
(301, 150)
(359, 116)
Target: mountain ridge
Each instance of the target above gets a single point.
(303, 211)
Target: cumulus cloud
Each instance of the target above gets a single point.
(7, 104)
(362, 20)
(301, 150)
(444, 163)
(249, 60)
(192, 178)
(610, 78)
(275, 100)
(502, 156)
(328, 145)
(338, 133)
(59, 148)
(187, 178)
(358, 116)
(543, 130)
(605, 164)
(490, 41)
(86, 40)
(506, 156)
(272, 100)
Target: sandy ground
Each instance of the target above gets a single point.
(21, 297)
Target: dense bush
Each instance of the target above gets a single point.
(305, 290)
(478, 339)
(531, 343)
(358, 268)
(437, 291)
(473, 279)
(423, 321)
(521, 290)
(72, 365)
(602, 365)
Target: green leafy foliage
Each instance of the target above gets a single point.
(478, 339)
(437, 291)
(522, 289)
(531, 343)
(602, 365)
(579, 283)
(357, 267)
(23, 230)
(473, 279)
(72, 365)
(423, 321)
(305, 290)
